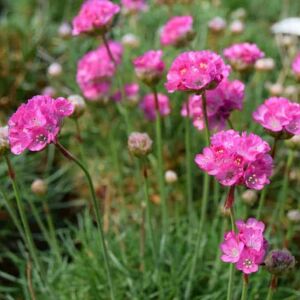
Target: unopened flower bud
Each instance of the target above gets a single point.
(294, 215)
(171, 176)
(275, 89)
(225, 212)
(249, 197)
(49, 91)
(290, 91)
(39, 187)
(139, 144)
(280, 262)
(237, 27)
(55, 70)
(79, 105)
(264, 64)
(130, 40)
(65, 30)
(4, 143)
(239, 13)
(217, 25)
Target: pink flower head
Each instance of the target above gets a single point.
(243, 56)
(296, 66)
(279, 116)
(149, 67)
(217, 25)
(96, 69)
(246, 248)
(177, 31)
(37, 123)
(236, 159)
(131, 92)
(148, 106)
(95, 16)
(195, 71)
(134, 6)
(221, 101)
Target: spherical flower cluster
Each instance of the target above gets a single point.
(148, 105)
(217, 25)
(131, 93)
(94, 17)
(149, 67)
(177, 31)
(79, 105)
(221, 101)
(296, 66)
(236, 159)
(37, 123)
(96, 69)
(133, 6)
(237, 27)
(195, 71)
(279, 116)
(246, 248)
(243, 56)
(139, 144)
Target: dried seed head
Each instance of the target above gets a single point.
(249, 197)
(4, 143)
(79, 105)
(39, 187)
(54, 70)
(294, 215)
(171, 176)
(139, 144)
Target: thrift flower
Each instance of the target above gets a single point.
(177, 31)
(221, 101)
(296, 66)
(131, 93)
(139, 144)
(279, 116)
(94, 17)
(217, 25)
(37, 123)
(148, 106)
(196, 71)
(243, 56)
(246, 248)
(236, 159)
(280, 262)
(149, 67)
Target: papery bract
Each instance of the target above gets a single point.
(95, 16)
(37, 123)
(195, 71)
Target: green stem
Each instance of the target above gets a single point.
(96, 207)
(188, 159)
(204, 110)
(245, 287)
(159, 151)
(272, 287)
(29, 240)
(261, 202)
(231, 266)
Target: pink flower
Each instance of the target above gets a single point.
(243, 56)
(231, 248)
(217, 24)
(95, 16)
(236, 159)
(148, 105)
(296, 66)
(177, 31)
(221, 101)
(134, 6)
(149, 67)
(131, 93)
(195, 71)
(37, 123)
(246, 248)
(96, 69)
(279, 116)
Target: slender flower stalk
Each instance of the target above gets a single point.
(159, 150)
(245, 287)
(29, 239)
(96, 207)
(272, 287)
(204, 109)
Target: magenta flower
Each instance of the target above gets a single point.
(95, 17)
(279, 116)
(246, 248)
(149, 67)
(177, 31)
(296, 66)
(37, 123)
(243, 56)
(221, 101)
(134, 6)
(236, 159)
(195, 71)
(148, 106)
(131, 92)
(96, 69)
